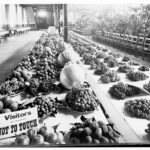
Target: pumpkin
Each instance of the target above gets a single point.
(72, 73)
(67, 55)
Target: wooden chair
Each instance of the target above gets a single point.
(146, 48)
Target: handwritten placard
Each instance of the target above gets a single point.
(15, 123)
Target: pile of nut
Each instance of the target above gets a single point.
(136, 76)
(110, 76)
(139, 108)
(81, 100)
(121, 91)
(91, 131)
(46, 106)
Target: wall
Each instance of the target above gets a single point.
(31, 18)
(12, 16)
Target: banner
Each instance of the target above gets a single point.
(15, 123)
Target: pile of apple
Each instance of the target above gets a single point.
(7, 105)
(44, 136)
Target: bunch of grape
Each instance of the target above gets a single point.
(91, 131)
(101, 69)
(108, 58)
(139, 108)
(121, 91)
(125, 68)
(82, 100)
(110, 76)
(88, 58)
(143, 68)
(33, 87)
(112, 63)
(136, 76)
(93, 65)
(100, 55)
(46, 106)
(11, 87)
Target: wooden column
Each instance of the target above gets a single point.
(65, 24)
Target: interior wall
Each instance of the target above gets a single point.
(12, 16)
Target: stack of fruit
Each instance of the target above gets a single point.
(125, 68)
(46, 106)
(136, 76)
(7, 105)
(81, 100)
(139, 108)
(88, 58)
(121, 91)
(100, 55)
(91, 131)
(143, 68)
(101, 69)
(11, 87)
(109, 76)
(44, 136)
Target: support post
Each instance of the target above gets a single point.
(65, 24)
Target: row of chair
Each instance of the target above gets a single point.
(134, 44)
(4, 34)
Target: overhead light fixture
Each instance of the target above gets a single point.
(42, 13)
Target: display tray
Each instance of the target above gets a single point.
(138, 125)
(63, 118)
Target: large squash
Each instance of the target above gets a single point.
(72, 73)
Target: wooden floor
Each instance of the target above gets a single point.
(14, 49)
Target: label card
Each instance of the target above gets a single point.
(15, 123)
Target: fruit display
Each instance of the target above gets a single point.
(139, 108)
(101, 69)
(112, 63)
(91, 131)
(71, 74)
(126, 59)
(11, 87)
(122, 91)
(143, 68)
(100, 55)
(88, 58)
(125, 68)
(46, 106)
(133, 63)
(8, 105)
(110, 76)
(93, 65)
(45, 135)
(81, 99)
(136, 76)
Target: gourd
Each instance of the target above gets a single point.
(71, 74)
(67, 55)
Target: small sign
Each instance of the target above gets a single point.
(15, 123)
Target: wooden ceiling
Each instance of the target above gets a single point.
(40, 6)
